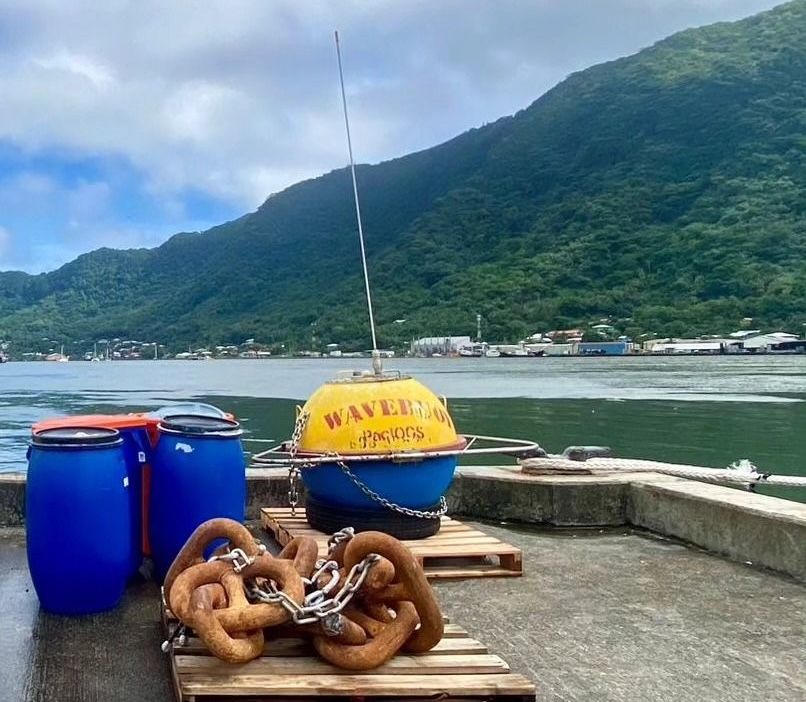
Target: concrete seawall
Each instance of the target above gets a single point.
(765, 531)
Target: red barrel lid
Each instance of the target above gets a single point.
(110, 421)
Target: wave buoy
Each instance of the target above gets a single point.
(380, 429)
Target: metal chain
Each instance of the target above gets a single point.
(293, 470)
(408, 511)
(237, 557)
(339, 537)
(317, 607)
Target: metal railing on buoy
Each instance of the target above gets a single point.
(279, 456)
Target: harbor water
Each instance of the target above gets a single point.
(700, 410)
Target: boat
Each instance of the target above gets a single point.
(58, 357)
(478, 351)
(513, 351)
(474, 351)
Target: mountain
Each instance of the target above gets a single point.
(665, 190)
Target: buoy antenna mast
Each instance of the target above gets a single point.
(376, 359)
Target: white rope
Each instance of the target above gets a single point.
(743, 472)
(355, 194)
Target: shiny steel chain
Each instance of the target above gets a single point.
(317, 607)
(339, 537)
(408, 511)
(293, 470)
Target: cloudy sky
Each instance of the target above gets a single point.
(123, 122)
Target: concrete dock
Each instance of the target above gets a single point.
(674, 590)
(605, 614)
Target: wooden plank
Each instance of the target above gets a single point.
(455, 541)
(363, 685)
(302, 647)
(433, 664)
(481, 571)
(175, 682)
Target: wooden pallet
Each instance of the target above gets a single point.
(456, 551)
(459, 667)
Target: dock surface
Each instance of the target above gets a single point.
(607, 614)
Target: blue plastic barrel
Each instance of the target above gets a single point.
(136, 449)
(198, 473)
(78, 519)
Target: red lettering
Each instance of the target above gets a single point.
(387, 408)
(368, 408)
(354, 413)
(333, 419)
(405, 406)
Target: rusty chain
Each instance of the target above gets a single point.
(364, 602)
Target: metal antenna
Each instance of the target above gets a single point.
(375, 354)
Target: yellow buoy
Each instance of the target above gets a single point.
(376, 415)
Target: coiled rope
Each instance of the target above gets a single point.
(742, 472)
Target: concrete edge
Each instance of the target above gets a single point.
(742, 526)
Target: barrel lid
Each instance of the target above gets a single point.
(110, 421)
(76, 436)
(199, 425)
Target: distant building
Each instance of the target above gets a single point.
(603, 348)
(567, 335)
(429, 345)
(691, 346)
(560, 349)
(773, 341)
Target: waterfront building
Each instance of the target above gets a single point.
(429, 345)
(604, 348)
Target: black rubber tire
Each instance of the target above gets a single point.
(330, 518)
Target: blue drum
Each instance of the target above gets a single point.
(198, 473)
(78, 519)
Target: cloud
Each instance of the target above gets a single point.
(235, 100)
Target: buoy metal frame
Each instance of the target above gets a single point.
(279, 455)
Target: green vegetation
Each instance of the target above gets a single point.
(666, 190)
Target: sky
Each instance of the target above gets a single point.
(124, 122)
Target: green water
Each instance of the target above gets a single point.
(707, 411)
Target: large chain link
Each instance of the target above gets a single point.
(381, 500)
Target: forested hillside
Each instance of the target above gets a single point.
(666, 190)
